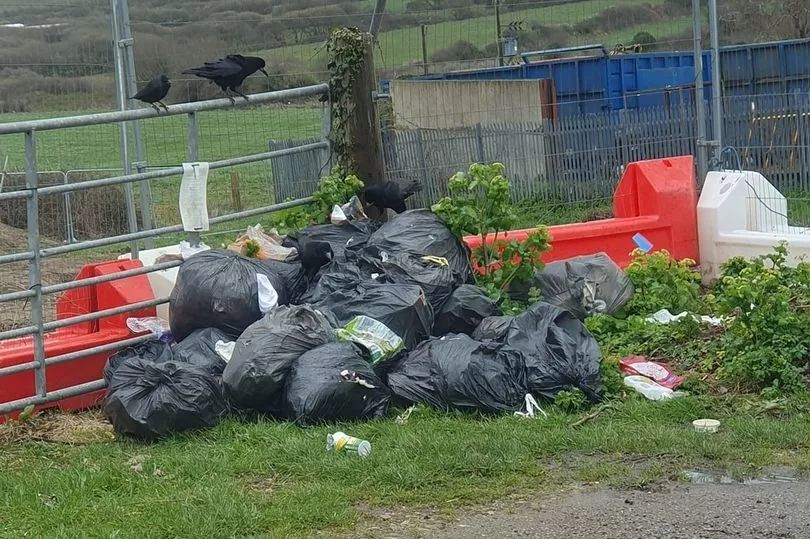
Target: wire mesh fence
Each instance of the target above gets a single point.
(58, 56)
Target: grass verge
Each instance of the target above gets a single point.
(266, 478)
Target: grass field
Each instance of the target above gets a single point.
(223, 134)
(270, 479)
(404, 46)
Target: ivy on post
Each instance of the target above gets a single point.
(355, 136)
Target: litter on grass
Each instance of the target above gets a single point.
(665, 317)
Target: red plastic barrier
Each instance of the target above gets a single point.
(656, 198)
(78, 337)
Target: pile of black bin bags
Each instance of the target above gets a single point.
(246, 348)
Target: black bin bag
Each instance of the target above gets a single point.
(585, 285)
(148, 400)
(292, 273)
(560, 353)
(337, 275)
(347, 236)
(464, 311)
(435, 279)
(422, 233)
(334, 383)
(457, 372)
(220, 289)
(199, 349)
(403, 308)
(263, 355)
(153, 351)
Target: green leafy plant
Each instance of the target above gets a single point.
(334, 189)
(767, 344)
(572, 400)
(661, 282)
(480, 205)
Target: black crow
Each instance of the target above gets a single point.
(391, 195)
(154, 92)
(228, 73)
(314, 255)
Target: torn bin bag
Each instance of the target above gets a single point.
(334, 383)
(560, 353)
(403, 308)
(422, 233)
(264, 353)
(585, 286)
(457, 372)
(148, 400)
(223, 290)
(466, 308)
(199, 349)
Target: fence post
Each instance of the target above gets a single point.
(424, 49)
(364, 127)
(479, 142)
(70, 232)
(717, 86)
(420, 149)
(193, 153)
(700, 104)
(34, 273)
(128, 43)
(121, 91)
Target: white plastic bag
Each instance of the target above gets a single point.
(650, 389)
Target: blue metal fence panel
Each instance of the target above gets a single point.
(591, 84)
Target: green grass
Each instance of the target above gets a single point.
(222, 134)
(274, 479)
(552, 212)
(403, 46)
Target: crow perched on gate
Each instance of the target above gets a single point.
(391, 195)
(154, 92)
(228, 73)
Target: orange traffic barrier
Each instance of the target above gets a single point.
(78, 337)
(656, 198)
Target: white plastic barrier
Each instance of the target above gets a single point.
(162, 281)
(743, 214)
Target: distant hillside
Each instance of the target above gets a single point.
(57, 55)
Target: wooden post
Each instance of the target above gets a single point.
(424, 50)
(366, 140)
(236, 192)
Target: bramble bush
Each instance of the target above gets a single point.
(480, 205)
(763, 345)
(767, 342)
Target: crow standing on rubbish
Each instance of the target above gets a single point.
(156, 90)
(391, 195)
(314, 255)
(230, 72)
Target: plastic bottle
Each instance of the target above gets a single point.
(340, 441)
